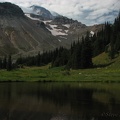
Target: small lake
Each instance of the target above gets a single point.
(59, 101)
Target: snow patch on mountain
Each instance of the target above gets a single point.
(92, 33)
(41, 11)
(54, 31)
(28, 15)
(67, 25)
(47, 21)
(59, 40)
(66, 31)
(63, 37)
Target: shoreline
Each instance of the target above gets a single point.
(62, 81)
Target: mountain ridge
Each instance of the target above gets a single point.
(43, 12)
(23, 35)
(9, 9)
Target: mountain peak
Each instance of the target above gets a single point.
(9, 9)
(41, 11)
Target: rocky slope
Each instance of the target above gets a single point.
(38, 30)
(65, 29)
(21, 35)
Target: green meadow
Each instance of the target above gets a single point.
(105, 70)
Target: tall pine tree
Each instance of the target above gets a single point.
(86, 52)
(9, 64)
(4, 62)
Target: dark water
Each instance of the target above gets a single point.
(59, 101)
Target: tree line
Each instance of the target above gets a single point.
(6, 63)
(107, 39)
(78, 56)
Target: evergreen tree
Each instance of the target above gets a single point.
(76, 56)
(61, 58)
(38, 60)
(86, 53)
(117, 42)
(4, 62)
(19, 60)
(9, 64)
(0, 63)
(112, 48)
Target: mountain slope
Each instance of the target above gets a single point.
(65, 29)
(9, 9)
(19, 34)
(39, 31)
(42, 12)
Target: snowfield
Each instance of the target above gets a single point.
(67, 25)
(28, 15)
(54, 31)
(63, 37)
(47, 21)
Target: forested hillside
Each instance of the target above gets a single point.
(108, 39)
(80, 55)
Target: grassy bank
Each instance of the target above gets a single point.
(106, 71)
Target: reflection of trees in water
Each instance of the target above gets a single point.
(5, 91)
(62, 96)
(80, 99)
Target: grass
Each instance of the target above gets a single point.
(107, 71)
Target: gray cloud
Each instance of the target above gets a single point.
(87, 11)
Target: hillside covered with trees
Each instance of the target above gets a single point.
(80, 55)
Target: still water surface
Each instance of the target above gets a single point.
(59, 101)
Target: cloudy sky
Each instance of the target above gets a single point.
(88, 12)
